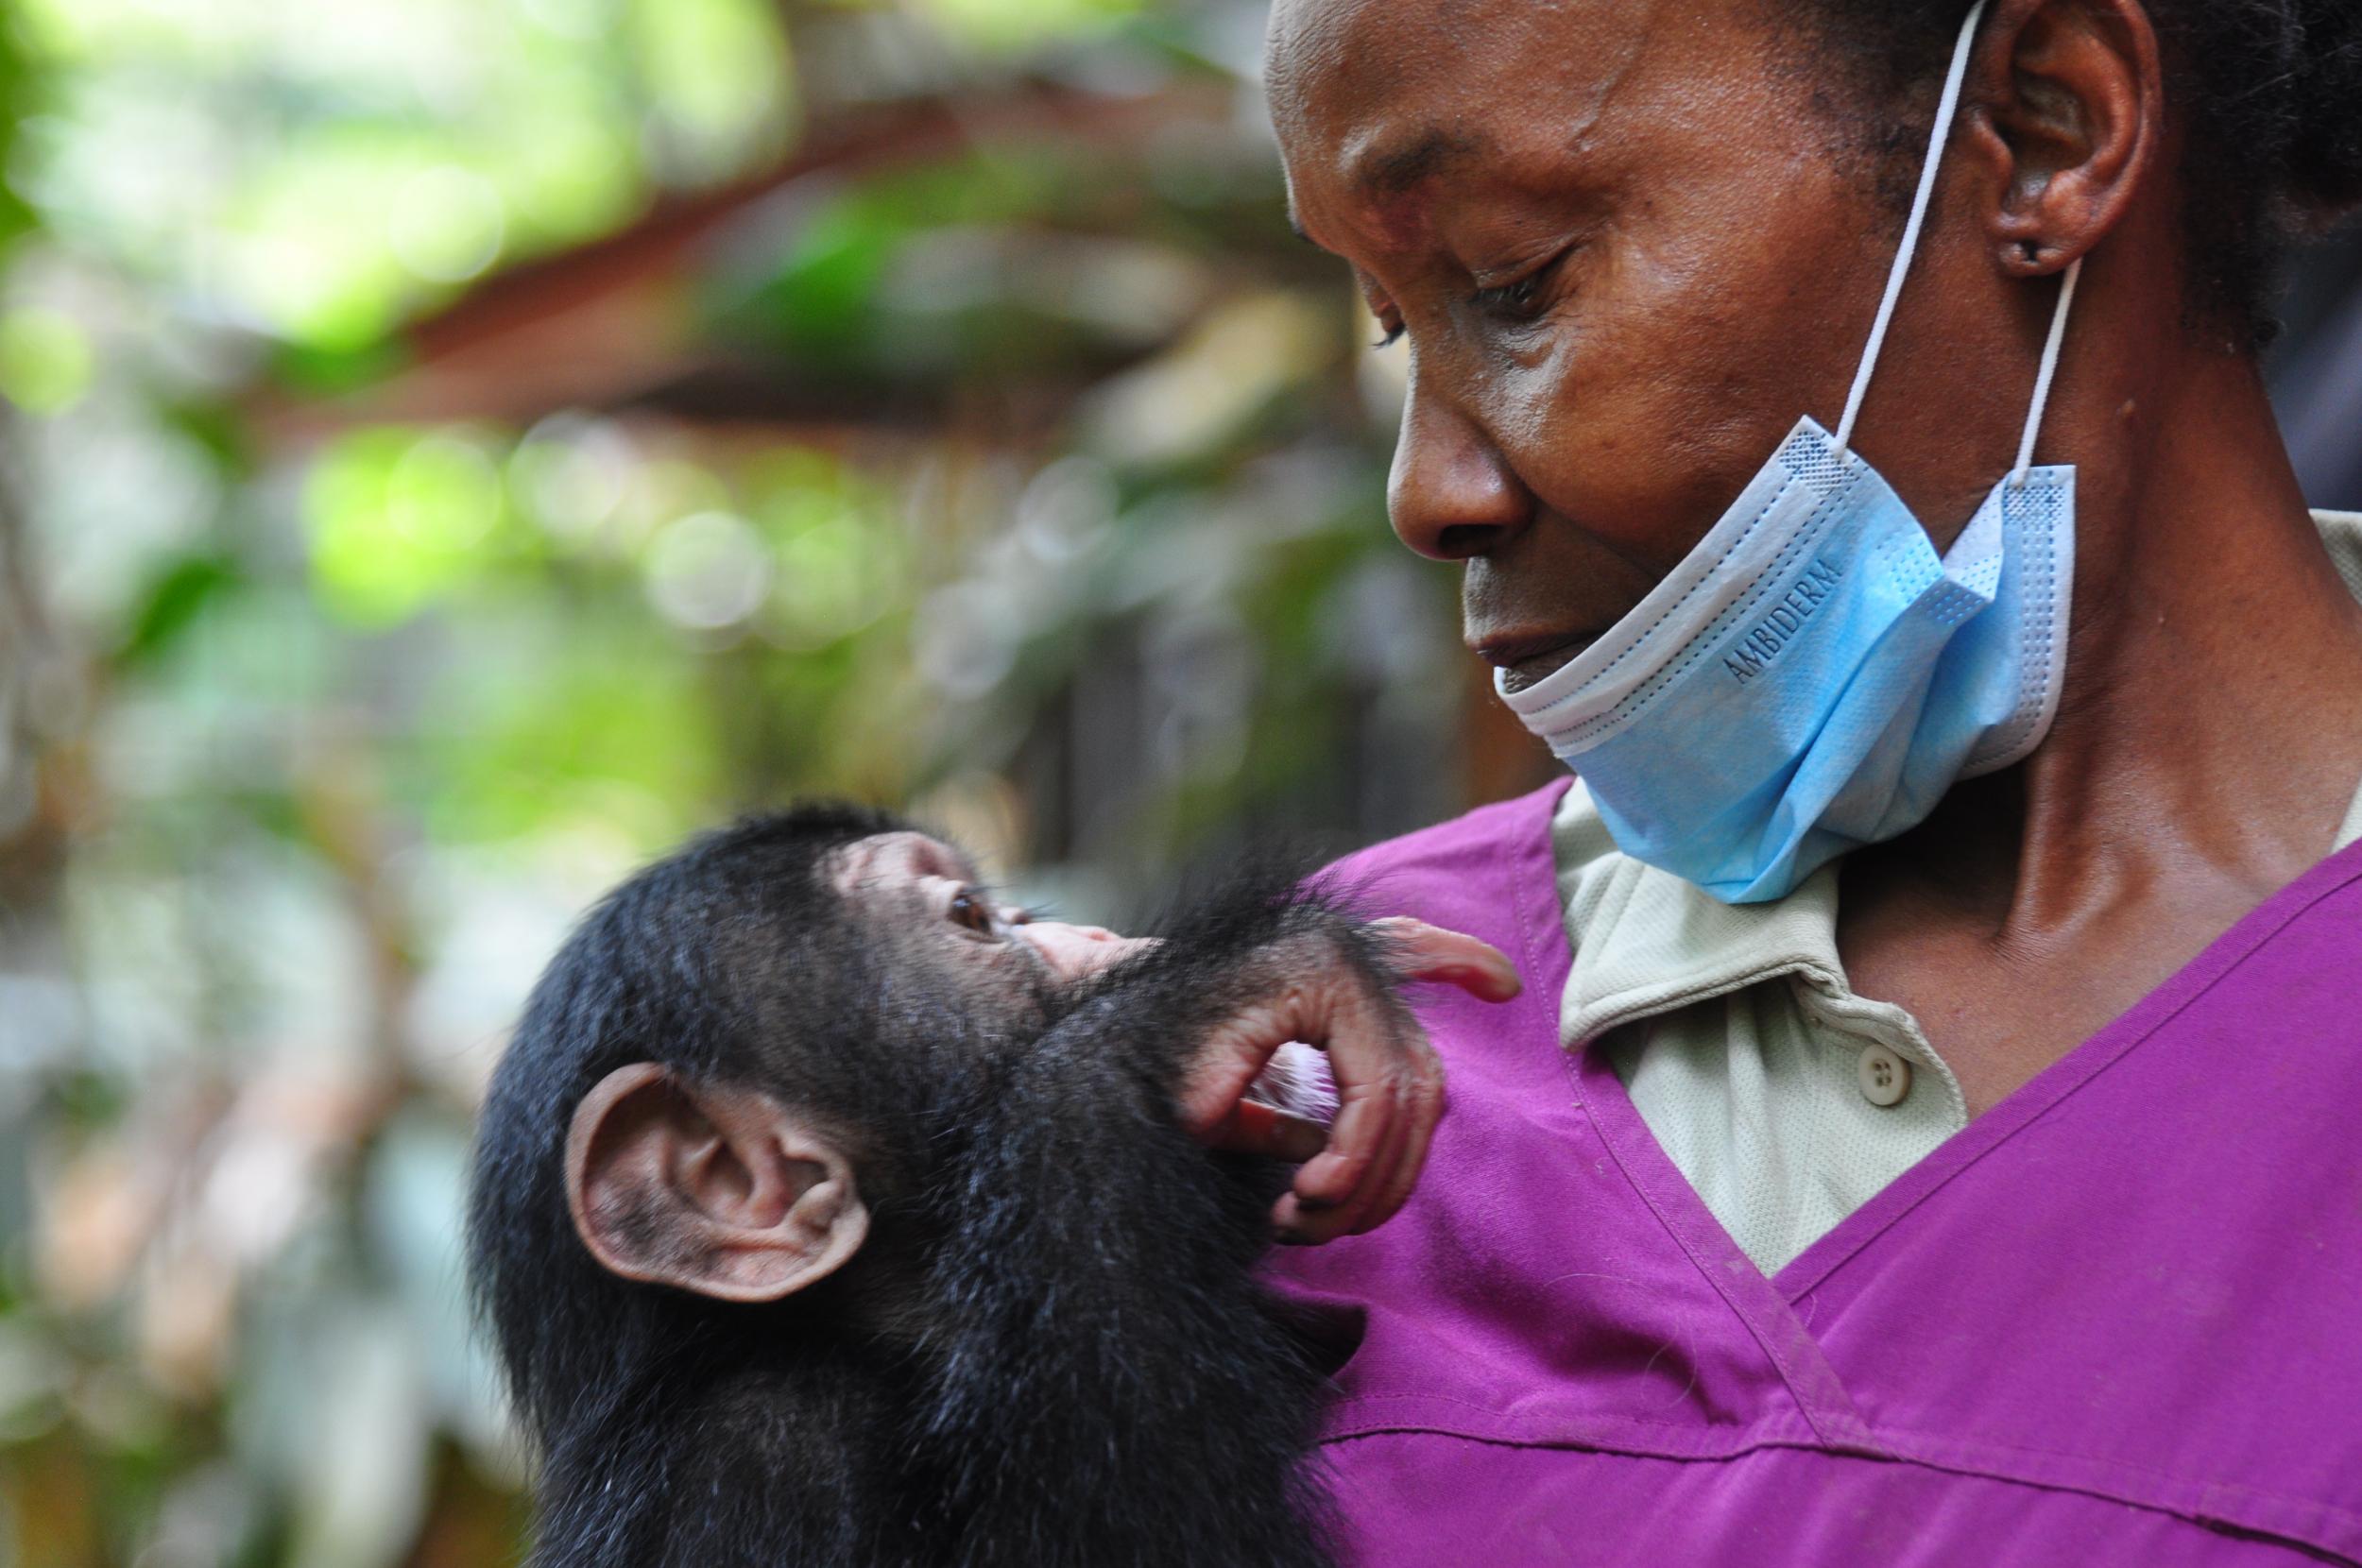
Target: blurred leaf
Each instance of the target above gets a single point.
(818, 301)
(176, 603)
(322, 370)
(22, 91)
(998, 263)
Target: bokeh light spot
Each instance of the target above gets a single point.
(708, 570)
(46, 361)
(446, 225)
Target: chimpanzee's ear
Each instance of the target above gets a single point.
(719, 1190)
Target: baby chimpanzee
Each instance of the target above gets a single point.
(827, 1213)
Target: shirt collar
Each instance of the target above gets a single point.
(1646, 942)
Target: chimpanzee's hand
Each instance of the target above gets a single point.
(1389, 1086)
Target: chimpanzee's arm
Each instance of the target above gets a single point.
(1099, 1319)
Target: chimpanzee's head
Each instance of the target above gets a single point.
(722, 1083)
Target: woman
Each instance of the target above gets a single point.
(1847, 420)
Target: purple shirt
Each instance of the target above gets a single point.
(2117, 1321)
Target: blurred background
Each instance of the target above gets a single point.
(450, 449)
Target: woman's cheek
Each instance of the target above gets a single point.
(1559, 433)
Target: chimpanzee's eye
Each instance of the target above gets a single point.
(970, 910)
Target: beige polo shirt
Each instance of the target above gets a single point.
(1787, 1099)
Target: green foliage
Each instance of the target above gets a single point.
(613, 731)
(182, 597)
(996, 264)
(324, 170)
(399, 519)
(1026, 479)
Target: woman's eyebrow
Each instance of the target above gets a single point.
(1381, 170)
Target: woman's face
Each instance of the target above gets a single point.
(1625, 255)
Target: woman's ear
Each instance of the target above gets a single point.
(714, 1189)
(2069, 111)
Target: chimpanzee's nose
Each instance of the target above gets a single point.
(1073, 951)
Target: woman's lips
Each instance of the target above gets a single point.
(1527, 660)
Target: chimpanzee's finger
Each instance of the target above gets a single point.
(1388, 1079)
(1254, 1128)
(1367, 1038)
(1425, 952)
(1328, 1182)
(1319, 1218)
(1422, 1110)
(1390, 1177)
(1345, 1190)
(1226, 1065)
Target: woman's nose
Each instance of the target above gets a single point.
(1451, 494)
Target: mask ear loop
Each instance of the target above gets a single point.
(1946, 112)
(2049, 370)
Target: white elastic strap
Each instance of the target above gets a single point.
(2049, 370)
(1946, 110)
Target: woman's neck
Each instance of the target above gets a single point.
(2209, 739)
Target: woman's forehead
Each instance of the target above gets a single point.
(1375, 98)
(1350, 56)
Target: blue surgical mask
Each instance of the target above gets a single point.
(1813, 676)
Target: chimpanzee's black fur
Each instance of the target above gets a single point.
(1050, 1351)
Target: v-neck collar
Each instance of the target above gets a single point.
(1769, 1305)
(2060, 1082)
(1557, 1315)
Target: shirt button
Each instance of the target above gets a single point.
(1885, 1077)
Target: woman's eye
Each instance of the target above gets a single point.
(969, 911)
(1518, 299)
(1526, 299)
(1391, 335)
